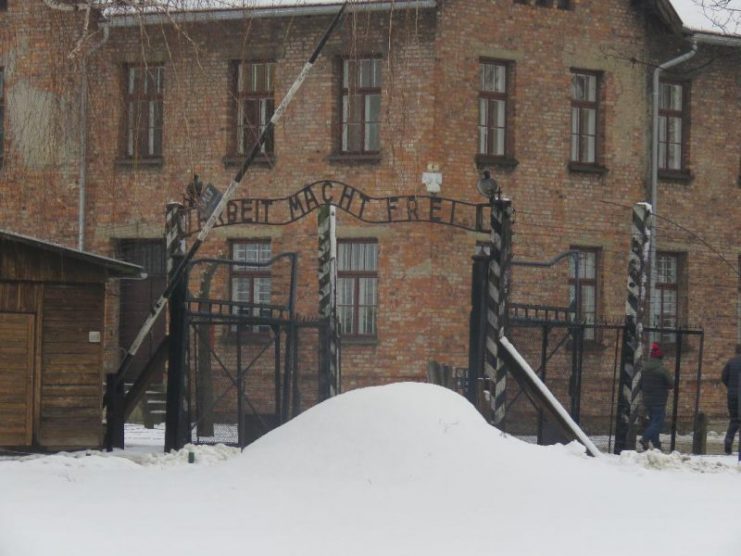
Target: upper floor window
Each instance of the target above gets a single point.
(357, 287)
(560, 4)
(665, 301)
(672, 126)
(588, 302)
(584, 117)
(2, 115)
(251, 285)
(254, 94)
(494, 127)
(3, 5)
(144, 111)
(361, 106)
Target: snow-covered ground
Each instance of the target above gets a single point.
(404, 469)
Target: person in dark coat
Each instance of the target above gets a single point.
(655, 385)
(730, 377)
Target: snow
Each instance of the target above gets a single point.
(402, 469)
(172, 6)
(710, 16)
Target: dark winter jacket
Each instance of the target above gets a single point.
(731, 375)
(655, 383)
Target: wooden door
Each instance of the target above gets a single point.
(137, 298)
(17, 340)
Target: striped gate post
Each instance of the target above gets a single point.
(629, 394)
(174, 234)
(496, 303)
(327, 224)
(176, 430)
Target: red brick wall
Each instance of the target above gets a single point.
(429, 105)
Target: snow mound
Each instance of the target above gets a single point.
(397, 433)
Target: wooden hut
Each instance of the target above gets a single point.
(52, 309)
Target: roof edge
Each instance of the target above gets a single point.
(120, 269)
(207, 16)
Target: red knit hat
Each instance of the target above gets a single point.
(656, 351)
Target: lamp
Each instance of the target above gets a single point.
(487, 185)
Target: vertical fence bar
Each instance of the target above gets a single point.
(675, 407)
(501, 211)
(329, 381)
(630, 368)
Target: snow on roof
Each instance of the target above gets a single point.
(710, 16)
(183, 6)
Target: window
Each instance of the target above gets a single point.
(361, 106)
(665, 301)
(3, 5)
(493, 109)
(560, 4)
(144, 111)
(584, 105)
(357, 287)
(2, 116)
(588, 266)
(671, 126)
(738, 306)
(254, 95)
(251, 285)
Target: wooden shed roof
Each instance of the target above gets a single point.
(114, 267)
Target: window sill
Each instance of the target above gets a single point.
(342, 158)
(680, 176)
(581, 168)
(233, 161)
(501, 162)
(359, 340)
(137, 163)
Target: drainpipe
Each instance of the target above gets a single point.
(655, 159)
(83, 138)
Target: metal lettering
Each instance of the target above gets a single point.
(391, 206)
(294, 204)
(246, 210)
(412, 208)
(347, 197)
(327, 198)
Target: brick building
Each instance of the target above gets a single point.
(554, 97)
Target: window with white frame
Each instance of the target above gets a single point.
(144, 111)
(671, 126)
(357, 286)
(254, 95)
(493, 107)
(251, 285)
(361, 106)
(665, 299)
(584, 115)
(588, 274)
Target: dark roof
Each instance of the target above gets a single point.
(116, 268)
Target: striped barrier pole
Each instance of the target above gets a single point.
(629, 393)
(496, 303)
(327, 223)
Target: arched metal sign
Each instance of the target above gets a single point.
(281, 211)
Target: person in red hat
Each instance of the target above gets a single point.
(655, 385)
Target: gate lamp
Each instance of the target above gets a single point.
(487, 185)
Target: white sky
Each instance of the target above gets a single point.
(716, 16)
(398, 470)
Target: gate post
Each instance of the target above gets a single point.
(175, 251)
(329, 381)
(496, 302)
(477, 326)
(629, 394)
